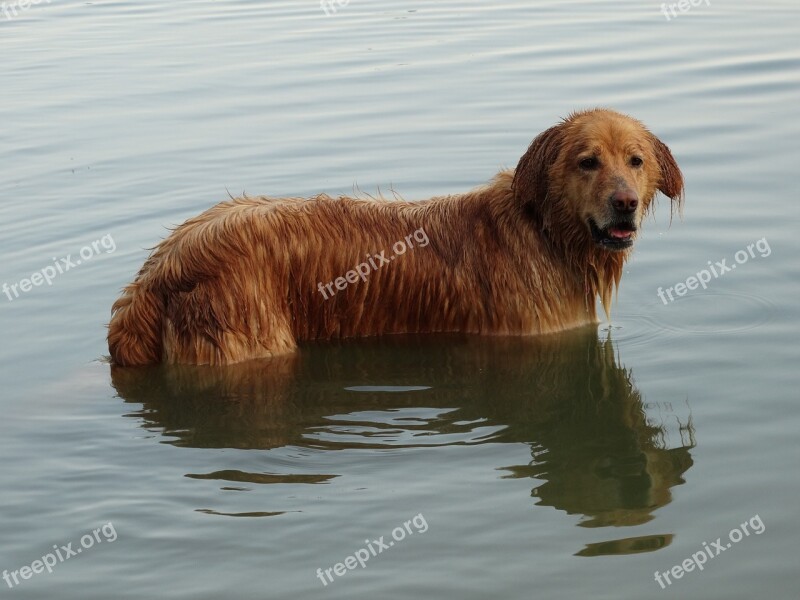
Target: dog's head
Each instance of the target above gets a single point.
(594, 176)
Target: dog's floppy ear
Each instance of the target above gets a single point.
(671, 178)
(531, 181)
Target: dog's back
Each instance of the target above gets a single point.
(251, 277)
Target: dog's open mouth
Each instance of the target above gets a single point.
(616, 236)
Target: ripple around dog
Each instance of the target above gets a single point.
(713, 313)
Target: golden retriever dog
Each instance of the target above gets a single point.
(529, 253)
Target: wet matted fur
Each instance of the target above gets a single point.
(529, 253)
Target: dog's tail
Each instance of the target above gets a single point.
(135, 334)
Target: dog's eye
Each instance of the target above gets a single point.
(589, 163)
(636, 161)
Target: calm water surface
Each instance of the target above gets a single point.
(572, 466)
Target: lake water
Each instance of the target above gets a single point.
(572, 466)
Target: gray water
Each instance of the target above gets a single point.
(572, 466)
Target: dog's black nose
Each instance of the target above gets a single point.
(625, 201)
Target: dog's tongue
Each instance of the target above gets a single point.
(620, 234)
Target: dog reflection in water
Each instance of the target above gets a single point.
(595, 451)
